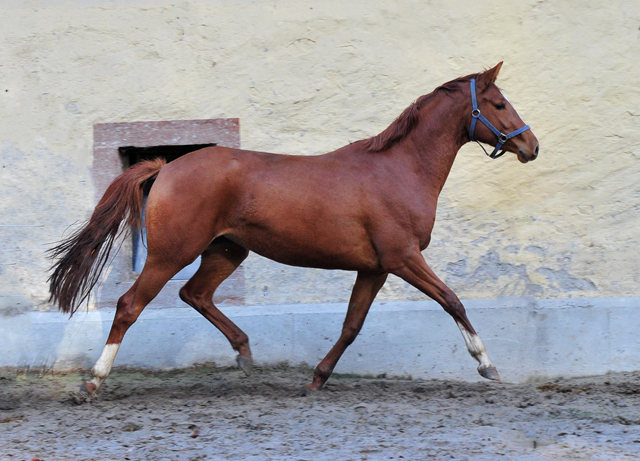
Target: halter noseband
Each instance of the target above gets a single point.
(476, 115)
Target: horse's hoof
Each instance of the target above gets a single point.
(309, 389)
(313, 387)
(79, 397)
(89, 388)
(489, 372)
(246, 364)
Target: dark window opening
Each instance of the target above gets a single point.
(131, 155)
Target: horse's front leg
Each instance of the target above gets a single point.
(364, 291)
(416, 272)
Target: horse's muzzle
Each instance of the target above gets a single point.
(526, 157)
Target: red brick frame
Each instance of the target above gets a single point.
(107, 164)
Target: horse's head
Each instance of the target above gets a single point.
(494, 121)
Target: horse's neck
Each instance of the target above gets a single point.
(436, 140)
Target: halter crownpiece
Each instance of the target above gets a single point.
(476, 115)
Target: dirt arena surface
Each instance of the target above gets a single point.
(208, 413)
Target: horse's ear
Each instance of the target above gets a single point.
(491, 75)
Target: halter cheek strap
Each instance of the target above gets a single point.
(476, 115)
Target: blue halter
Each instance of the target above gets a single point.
(476, 115)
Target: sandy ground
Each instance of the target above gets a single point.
(209, 413)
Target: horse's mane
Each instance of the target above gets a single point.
(408, 119)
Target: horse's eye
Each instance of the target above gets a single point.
(501, 106)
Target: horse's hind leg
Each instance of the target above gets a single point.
(153, 277)
(416, 272)
(364, 292)
(219, 261)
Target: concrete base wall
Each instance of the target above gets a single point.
(526, 338)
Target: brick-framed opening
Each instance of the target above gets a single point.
(108, 163)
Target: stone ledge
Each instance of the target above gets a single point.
(526, 338)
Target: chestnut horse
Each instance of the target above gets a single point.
(367, 207)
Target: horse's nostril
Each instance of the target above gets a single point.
(537, 149)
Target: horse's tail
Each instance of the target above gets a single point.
(82, 256)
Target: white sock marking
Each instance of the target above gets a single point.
(475, 346)
(103, 366)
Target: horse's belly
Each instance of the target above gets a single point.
(309, 250)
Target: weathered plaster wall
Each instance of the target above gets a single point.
(305, 77)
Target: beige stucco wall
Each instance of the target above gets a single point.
(306, 77)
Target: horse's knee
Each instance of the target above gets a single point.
(453, 306)
(349, 334)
